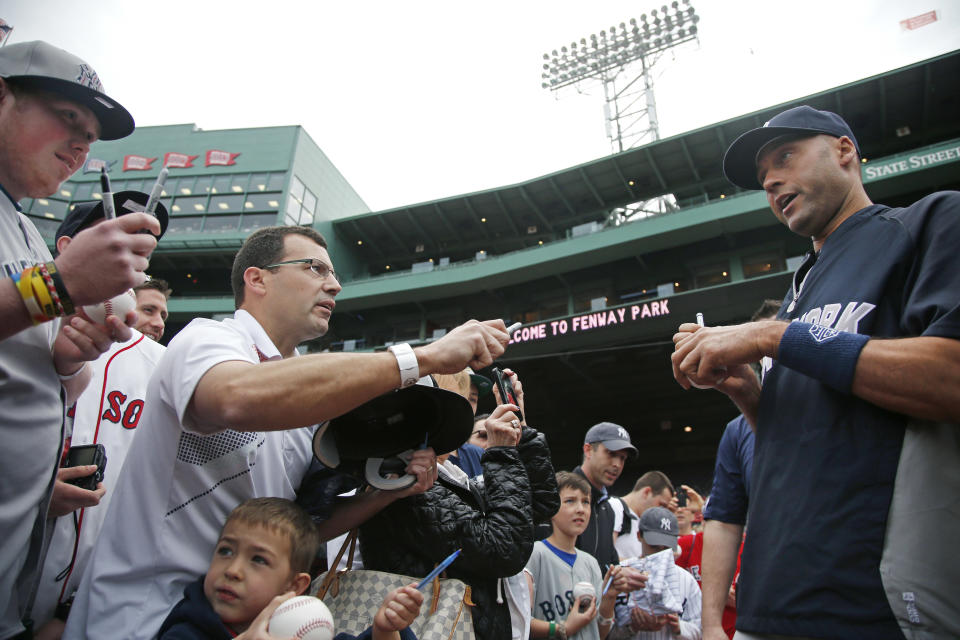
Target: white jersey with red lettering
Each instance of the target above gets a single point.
(106, 413)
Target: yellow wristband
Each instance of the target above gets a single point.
(26, 292)
(42, 294)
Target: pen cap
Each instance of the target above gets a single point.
(43, 66)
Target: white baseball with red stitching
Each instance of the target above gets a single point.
(118, 305)
(302, 618)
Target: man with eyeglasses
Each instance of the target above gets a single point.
(230, 415)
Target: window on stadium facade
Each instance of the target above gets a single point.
(185, 224)
(262, 202)
(189, 205)
(226, 203)
(711, 274)
(51, 208)
(253, 221)
(221, 224)
(759, 264)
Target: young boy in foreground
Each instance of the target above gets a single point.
(556, 565)
(263, 558)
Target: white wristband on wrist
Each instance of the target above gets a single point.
(407, 361)
(71, 376)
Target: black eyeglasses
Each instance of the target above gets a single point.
(319, 267)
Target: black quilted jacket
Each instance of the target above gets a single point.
(493, 524)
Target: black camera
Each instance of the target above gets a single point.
(84, 454)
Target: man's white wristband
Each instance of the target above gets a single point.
(407, 361)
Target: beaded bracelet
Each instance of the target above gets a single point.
(65, 299)
(51, 289)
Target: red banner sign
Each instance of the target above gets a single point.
(221, 158)
(137, 163)
(921, 20)
(175, 160)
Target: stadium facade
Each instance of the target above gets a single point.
(599, 294)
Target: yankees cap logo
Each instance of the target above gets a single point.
(665, 524)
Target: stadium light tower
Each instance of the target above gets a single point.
(631, 111)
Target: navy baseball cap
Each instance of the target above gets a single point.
(44, 66)
(84, 214)
(659, 527)
(740, 160)
(612, 436)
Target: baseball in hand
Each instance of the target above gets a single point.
(118, 305)
(303, 618)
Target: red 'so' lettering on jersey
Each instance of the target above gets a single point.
(132, 415)
(115, 400)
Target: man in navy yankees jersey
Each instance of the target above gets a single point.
(853, 504)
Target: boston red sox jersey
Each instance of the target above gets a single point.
(31, 419)
(107, 413)
(553, 581)
(178, 485)
(843, 490)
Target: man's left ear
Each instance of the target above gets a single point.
(848, 151)
(300, 583)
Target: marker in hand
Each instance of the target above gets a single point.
(439, 568)
(109, 213)
(700, 319)
(155, 193)
(514, 327)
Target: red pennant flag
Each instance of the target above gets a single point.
(222, 158)
(176, 160)
(137, 163)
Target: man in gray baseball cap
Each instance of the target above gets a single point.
(42, 66)
(52, 108)
(605, 450)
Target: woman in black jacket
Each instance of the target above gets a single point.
(491, 521)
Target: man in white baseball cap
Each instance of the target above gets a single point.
(52, 108)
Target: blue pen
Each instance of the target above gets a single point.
(607, 586)
(440, 567)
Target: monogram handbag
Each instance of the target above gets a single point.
(353, 598)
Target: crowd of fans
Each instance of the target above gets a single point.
(227, 471)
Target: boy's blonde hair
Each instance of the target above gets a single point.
(286, 518)
(457, 382)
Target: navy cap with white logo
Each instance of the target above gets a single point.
(41, 65)
(659, 527)
(740, 160)
(610, 435)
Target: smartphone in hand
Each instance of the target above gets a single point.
(507, 395)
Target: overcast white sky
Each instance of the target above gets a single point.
(419, 100)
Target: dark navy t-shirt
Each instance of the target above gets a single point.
(731, 475)
(826, 461)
